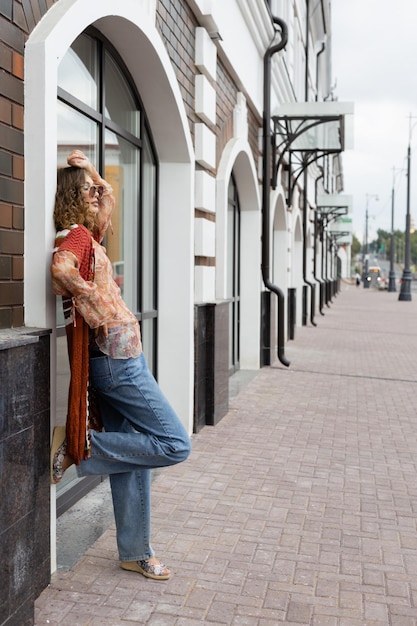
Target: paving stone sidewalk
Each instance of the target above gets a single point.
(298, 508)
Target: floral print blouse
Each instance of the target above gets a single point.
(99, 302)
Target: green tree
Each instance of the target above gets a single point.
(413, 247)
(381, 245)
(356, 246)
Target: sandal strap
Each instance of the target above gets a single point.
(59, 456)
(156, 569)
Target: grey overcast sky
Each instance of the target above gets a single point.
(374, 50)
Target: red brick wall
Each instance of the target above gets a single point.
(176, 24)
(255, 124)
(226, 102)
(17, 20)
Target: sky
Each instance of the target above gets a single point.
(374, 57)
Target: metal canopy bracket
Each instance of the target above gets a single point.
(338, 234)
(332, 214)
(332, 206)
(336, 209)
(303, 132)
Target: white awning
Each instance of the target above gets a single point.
(328, 201)
(320, 126)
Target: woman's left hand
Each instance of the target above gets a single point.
(78, 159)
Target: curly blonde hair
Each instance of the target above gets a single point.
(70, 206)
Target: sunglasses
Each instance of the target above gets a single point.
(92, 190)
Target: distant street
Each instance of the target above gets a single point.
(384, 264)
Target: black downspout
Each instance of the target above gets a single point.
(307, 282)
(322, 49)
(316, 236)
(317, 230)
(312, 303)
(266, 184)
(327, 255)
(307, 50)
(324, 260)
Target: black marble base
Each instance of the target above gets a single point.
(211, 357)
(24, 462)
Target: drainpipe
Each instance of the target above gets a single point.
(318, 230)
(307, 282)
(323, 257)
(326, 263)
(266, 184)
(307, 50)
(316, 235)
(322, 49)
(305, 203)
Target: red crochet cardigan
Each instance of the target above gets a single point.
(80, 416)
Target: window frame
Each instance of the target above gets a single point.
(78, 488)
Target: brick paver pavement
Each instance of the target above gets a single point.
(298, 508)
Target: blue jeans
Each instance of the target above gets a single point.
(142, 432)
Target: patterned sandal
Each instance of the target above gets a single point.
(58, 451)
(156, 571)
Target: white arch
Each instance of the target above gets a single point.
(279, 238)
(280, 259)
(237, 156)
(129, 25)
(297, 266)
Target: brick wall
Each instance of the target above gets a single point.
(176, 24)
(226, 102)
(255, 124)
(17, 20)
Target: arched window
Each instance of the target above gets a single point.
(100, 113)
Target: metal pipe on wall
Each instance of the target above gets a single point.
(305, 182)
(266, 188)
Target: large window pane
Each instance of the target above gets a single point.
(148, 228)
(78, 71)
(120, 105)
(122, 172)
(113, 103)
(75, 131)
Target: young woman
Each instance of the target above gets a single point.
(141, 430)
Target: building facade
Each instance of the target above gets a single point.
(219, 249)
